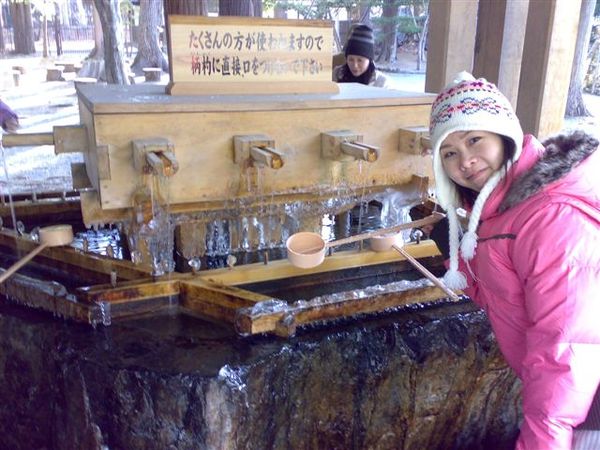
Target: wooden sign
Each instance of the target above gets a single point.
(247, 55)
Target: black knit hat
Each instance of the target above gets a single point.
(360, 42)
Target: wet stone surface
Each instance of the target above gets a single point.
(417, 378)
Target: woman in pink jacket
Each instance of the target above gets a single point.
(530, 253)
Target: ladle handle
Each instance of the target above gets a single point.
(433, 218)
(24, 260)
(435, 280)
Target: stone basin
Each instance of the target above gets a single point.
(421, 377)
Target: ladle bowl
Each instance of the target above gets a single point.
(50, 236)
(385, 242)
(306, 249)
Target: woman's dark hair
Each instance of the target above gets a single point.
(468, 196)
(365, 78)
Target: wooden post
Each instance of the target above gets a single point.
(546, 68)
(452, 29)
(499, 44)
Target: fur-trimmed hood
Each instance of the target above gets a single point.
(562, 154)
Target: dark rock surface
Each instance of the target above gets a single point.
(420, 378)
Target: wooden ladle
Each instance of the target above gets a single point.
(394, 241)
(421, 268)
(307, 249)
(51, 236)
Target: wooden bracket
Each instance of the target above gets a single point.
(155, 155)
(103, 161)
(70, 139)
(414, 140)
(243, 144)
(346, 145)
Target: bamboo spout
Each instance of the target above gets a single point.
(360, 151)
(267, 156)
(162, 163)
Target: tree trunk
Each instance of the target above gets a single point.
(45, 36)
(57, 30)
(186, 7)
(93, 66)
(2, 43)
(23, 27)
(389, 32)
(575, 104)
(422, 41)
(114, 62)
(149, 52)
(252, 8)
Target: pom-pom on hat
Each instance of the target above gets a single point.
(360, 42)
(468, 104)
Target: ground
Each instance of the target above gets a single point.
(43, 104)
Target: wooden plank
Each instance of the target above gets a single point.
(275, 270)
(148, 98)
(248, 323)
(546, 69)
(72, 260)
(50, 297)
(219, 301)
(183, 88)
(127, 292)
(41, 211)
(94, 214)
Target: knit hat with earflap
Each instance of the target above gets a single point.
(360, 42)
(467, 104)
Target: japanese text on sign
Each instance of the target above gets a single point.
(243, 53)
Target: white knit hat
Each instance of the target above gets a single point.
(467, 104)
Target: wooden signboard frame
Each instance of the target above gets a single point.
(247, 55)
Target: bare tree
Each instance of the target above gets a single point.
(575, 104)
(23, 27)
(389, 31)
(114, 61)
(2, 43)
(93, 66)
(149, 53)
(240, 8)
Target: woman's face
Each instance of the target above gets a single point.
(357, 64)
(471, 157)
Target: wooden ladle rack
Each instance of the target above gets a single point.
(113, 290)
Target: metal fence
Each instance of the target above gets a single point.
(74, 40)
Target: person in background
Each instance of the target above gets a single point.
(359, 67)
(8, 119)
(529, 256)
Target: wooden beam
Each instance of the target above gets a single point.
(89, 267)
(452, 27)
(548, 52)
(216, 300)
(276, 270)
(499, 44)
(278, 322)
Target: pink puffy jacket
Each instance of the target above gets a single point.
(536, 272)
